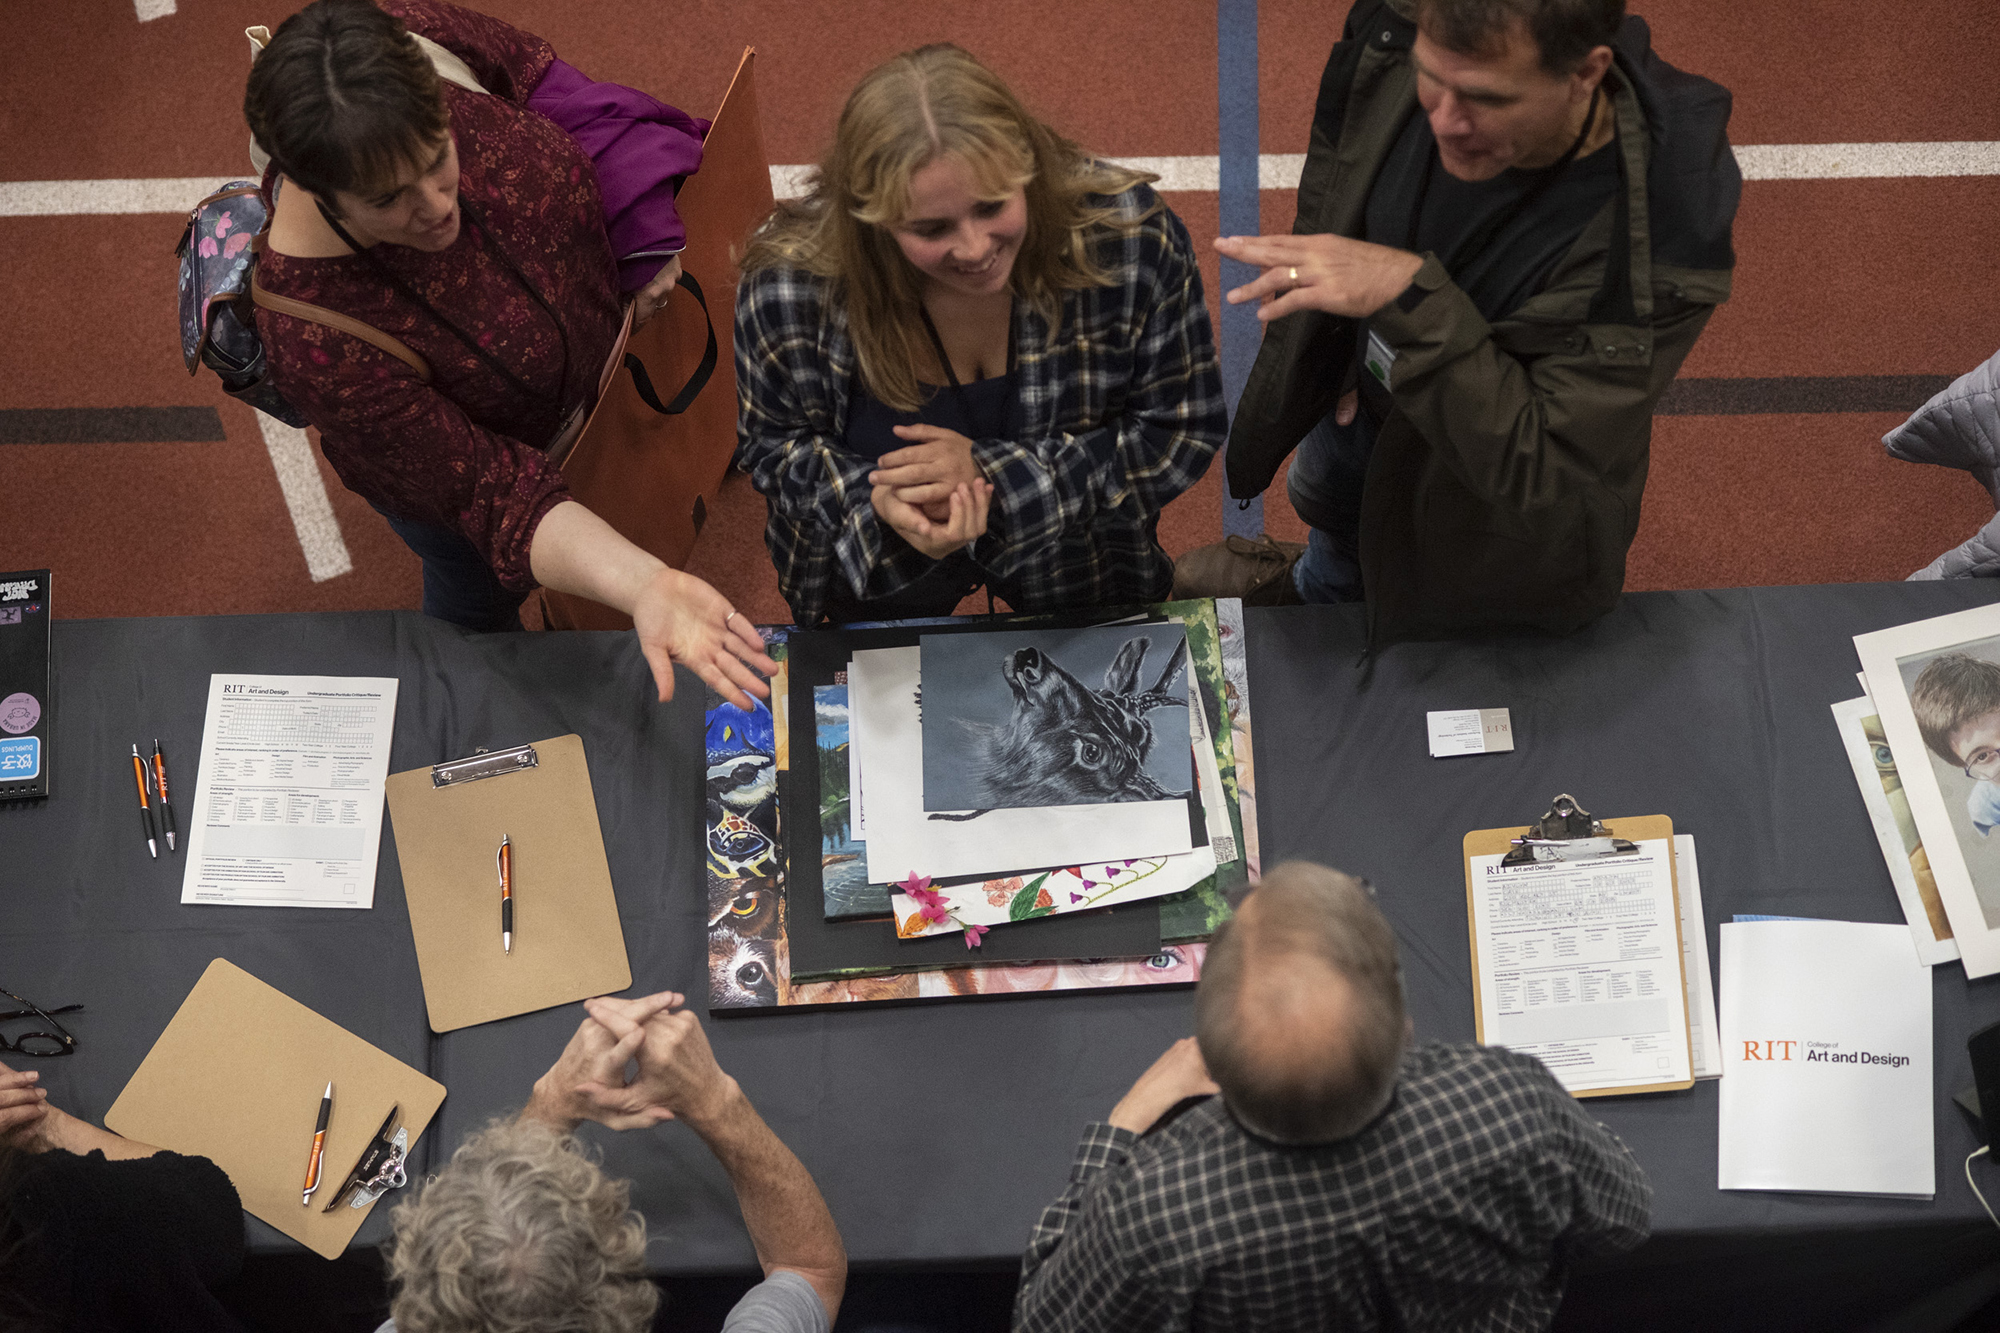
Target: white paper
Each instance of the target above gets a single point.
(857, 806)
(1826, 1050)
(904, 840)
(1580, 967)
(1208, 779)
(288, 802)
(1703, 1048)
(1072, 889)
(1868, 775)
(1469, 731)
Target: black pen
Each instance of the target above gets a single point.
(145, 806)
(504, 861)
(160, 785)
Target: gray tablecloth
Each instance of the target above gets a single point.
(938, 1132)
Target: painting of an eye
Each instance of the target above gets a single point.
(1089, 754)
(1883, 759)
(744, 904)
(750, 975)
(1165, 960)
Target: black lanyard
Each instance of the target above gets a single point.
(944, 357)
(410, 293)
(1471, 247)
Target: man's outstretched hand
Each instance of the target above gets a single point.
(1336, 274)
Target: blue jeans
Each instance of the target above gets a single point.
(1325, 487)
(459, 586)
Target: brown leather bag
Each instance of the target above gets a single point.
(650, 476)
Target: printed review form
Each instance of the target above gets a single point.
(288, 801)
(1580, 967)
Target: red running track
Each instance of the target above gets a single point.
(1874, 277)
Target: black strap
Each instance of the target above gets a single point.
(1614, 302)
(409, 293)
(944, 357)
(697, 381)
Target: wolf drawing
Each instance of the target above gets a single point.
(1067, 744)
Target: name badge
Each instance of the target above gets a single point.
(1379, 358)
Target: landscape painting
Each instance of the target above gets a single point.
(843, 864)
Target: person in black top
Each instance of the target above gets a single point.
(101, 1233)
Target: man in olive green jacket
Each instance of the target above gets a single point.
(1513, 224)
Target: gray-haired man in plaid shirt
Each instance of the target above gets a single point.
(1342, 1179)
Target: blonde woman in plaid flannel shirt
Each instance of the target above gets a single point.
(971, 354)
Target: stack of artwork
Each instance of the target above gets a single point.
(978, 806)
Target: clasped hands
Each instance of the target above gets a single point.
(24, 1109)
(932, 492)
(633, 1064)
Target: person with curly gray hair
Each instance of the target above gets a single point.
(523, 1233)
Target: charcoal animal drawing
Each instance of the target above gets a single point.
(1064, 739)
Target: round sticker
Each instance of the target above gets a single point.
(19, 713)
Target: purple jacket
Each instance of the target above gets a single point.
(642, 148)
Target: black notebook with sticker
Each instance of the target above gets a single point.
(25, 720)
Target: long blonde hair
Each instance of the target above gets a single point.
(933, 102)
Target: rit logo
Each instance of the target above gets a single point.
(1768, 1050)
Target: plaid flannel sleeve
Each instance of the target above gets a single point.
(1082, 1269)
(1612, 1199)
(822, 521)
(1172, 422)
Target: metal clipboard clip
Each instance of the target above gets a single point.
(483, 764)
(380, 1168)
(1566, 833)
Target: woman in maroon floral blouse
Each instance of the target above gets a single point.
(479, 240)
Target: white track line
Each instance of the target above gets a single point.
(305, 496)
(149, 10)
(171, 194)
(1189, 175)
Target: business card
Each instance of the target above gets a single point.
(1470, 731)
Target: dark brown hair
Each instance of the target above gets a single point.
(1305, 912)
(1565, 31)
(1950, 692)
(343, 98)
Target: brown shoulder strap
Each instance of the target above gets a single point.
(333, 319)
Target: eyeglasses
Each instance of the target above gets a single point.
(59, 1042)
(1982, 764)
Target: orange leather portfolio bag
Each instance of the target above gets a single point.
(648, 470)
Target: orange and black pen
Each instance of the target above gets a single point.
(504, 860)
(160, 785)
(145, 806)
(319, 1144)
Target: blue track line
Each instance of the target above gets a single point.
(1236, 124)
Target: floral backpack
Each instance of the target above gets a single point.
(218, 256)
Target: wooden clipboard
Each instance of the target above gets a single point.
(568, 943)
(237, 1078)
(1643, 828)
